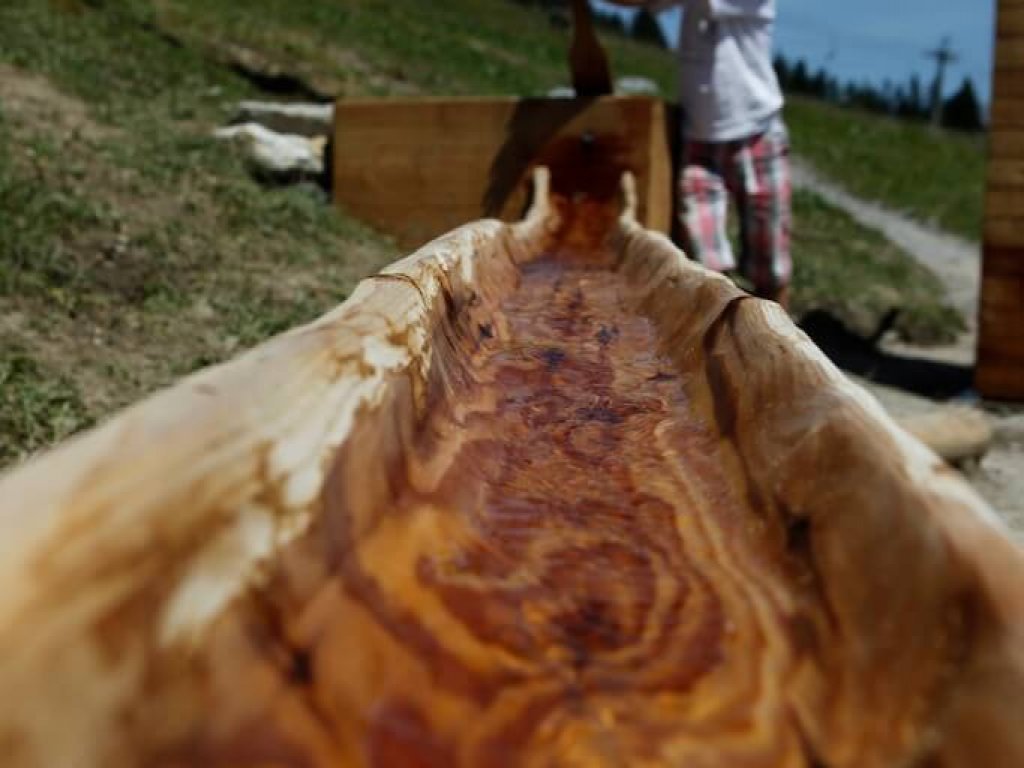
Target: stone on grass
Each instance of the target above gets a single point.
(637, 86)
(280, 155)
(956, 433)
(624, 86)
(301, 119)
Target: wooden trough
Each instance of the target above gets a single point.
(541, 494)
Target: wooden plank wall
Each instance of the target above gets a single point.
(1000, 371)
(416, 169)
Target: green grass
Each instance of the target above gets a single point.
(473, 46)
(451, 47)
(37, 215)
(134, 248)
(37, 407)
(937, 177)
(858, 276)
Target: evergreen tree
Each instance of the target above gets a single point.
(799, 80)
(817, 85)
(910, 103)
(647, 29)
(907, 101)
(918, 108)
(832, 89)
(782, 71)
(962, 110)
(610, 22)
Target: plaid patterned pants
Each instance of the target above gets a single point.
(755, 171)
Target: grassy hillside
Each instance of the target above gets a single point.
(133, 248)
(936, 177)
(467, 46)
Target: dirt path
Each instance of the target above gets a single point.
(954, 260)
(998, 477)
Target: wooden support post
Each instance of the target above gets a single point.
(1000, 370)
(415, 169)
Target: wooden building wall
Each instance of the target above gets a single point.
(1000, 371)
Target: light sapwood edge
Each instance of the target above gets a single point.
(540, 205)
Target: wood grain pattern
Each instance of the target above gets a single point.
(1010, 84)
(1000, 368)
(1009, 173)
(1008, 112)
(1010, 22)
(416, 169)
(1003, 234)
(1009, 52)
(1007, 142)
(543, 495)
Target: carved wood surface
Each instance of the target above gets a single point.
(543, 495)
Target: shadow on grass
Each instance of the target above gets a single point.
(860, 356)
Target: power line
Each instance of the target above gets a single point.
(944, 56)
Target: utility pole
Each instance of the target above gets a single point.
(943, 56)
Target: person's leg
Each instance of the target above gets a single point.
(763, 198)
(703, 205)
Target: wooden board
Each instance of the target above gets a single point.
(1000, 367)
(539, 495)
(415, 169)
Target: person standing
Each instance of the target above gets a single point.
(735, 142)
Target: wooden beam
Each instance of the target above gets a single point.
(1008, 173)
(1010, 81)
(1007, 113)
(1000, 363)
(1010, 22)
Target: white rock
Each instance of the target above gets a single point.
(280, 154)
(630, 85)
(638, 86)
(301, 119)
(562, 92)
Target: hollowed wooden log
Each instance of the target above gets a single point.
(539, 495)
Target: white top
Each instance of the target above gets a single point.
(728, 88)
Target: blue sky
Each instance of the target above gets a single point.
(871, 40)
